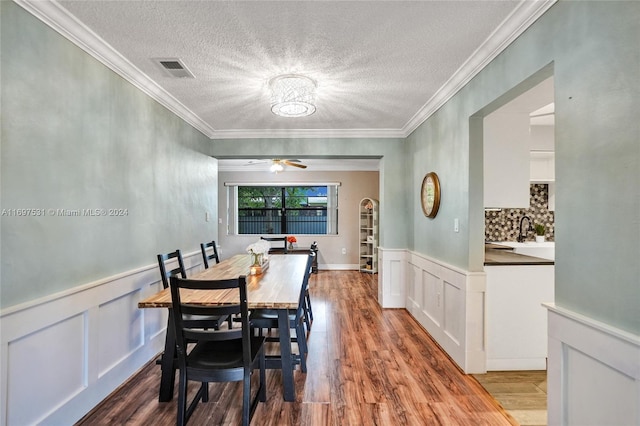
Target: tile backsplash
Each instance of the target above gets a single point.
(503, 225)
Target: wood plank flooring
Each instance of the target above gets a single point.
(366, 366)
(522, 393)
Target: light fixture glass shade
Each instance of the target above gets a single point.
(276, 168)
(293, 95)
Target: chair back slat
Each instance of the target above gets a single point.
(164, 260)
(275, 248)
(184, 332)
(212, 335)
(305, 284)
(199, 310)
(207, 257)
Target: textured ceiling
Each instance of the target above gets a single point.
(379, 65)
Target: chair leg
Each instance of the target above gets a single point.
(302, 346)
(307, 320)
(205, 392)
(263, 376)
(308, 299)
(246, 397)
(182, 399)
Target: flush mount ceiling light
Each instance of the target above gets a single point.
(292, 95)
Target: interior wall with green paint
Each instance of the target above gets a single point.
(76, 138)
(592, 50)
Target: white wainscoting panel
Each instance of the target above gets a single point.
(391, 277)
(450, 304)
(119, 314)
(593, 372)
(56, 352)
(431, 292)
(62, 354)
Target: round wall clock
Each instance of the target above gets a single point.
(430, 195)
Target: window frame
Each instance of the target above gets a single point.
(233, 218)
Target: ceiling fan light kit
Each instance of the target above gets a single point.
(292, 95)
(276, 168)
(278, 165)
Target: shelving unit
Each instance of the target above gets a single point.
(368, 235)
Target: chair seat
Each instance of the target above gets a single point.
(268, 315)
(212, 321)
(221, 354)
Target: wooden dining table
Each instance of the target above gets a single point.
(277, 288)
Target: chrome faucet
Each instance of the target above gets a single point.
(521, 237)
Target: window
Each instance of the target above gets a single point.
(291, 209)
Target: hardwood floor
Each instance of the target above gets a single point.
(366, 366)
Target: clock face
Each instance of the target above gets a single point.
(430, 195)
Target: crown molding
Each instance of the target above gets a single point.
(527, 12)
(59, 19)
(307, 133)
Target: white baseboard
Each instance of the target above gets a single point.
(497, 364)
(593, 373)
(62, 354)
(338, 267)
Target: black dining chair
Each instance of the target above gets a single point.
(209, 252)
(168, 270)
(268, 318)
(228, 355)
(308, 312)
(274, 247)
(164, 262)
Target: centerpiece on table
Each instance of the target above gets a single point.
(259, 256)
(291, 240)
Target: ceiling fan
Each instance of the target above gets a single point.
(278, 164)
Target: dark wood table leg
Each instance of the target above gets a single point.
(286, 357)
(167, 378)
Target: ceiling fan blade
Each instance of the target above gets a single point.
(290, 163)
(254, 162)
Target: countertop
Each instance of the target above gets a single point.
(503, 257)
(496, 246)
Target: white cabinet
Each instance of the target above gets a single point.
(542, 166)
(516, 326)
(368, 235)
(506, 141)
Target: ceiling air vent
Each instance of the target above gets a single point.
(173, 67)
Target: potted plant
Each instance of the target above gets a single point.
(540, 232)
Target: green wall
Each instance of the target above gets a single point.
(593, 51)
(75, 135)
